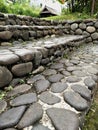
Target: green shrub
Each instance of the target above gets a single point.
(3, 7)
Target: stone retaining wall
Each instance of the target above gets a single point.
(20, 61)
(16, 32)
(26, 27)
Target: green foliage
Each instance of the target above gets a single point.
(2, 94)
(70, 16)
(19, 8)
(3, 7)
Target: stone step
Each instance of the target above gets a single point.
(15, 32)
(58, 97)
(19, 59)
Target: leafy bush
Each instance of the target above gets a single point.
(21, 9)
(3, 7)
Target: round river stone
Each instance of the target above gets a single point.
(75, 100)
(49, 98)
(82, 90)
(63, 119)
(3, 105)
(55, 78)
(41, 85)
(90, 83)
(32, 114)
(11, 117)
(24, 99)
(58, 87)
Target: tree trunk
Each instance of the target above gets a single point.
(92, 7)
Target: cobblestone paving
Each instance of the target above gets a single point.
(55, 99)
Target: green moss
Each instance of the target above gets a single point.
(91, 122)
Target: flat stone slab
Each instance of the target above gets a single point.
(74, 61)
(8, 59)
(40, 127)
(5, 76)
(20, 89)
(90, 83)
(82, 90)
(73, 68)
(3, 105)
(65, 73)
(58, 87)
(92, 70)
(33, 113)
(11, 117)
(49, 98)
(79, 73)
(57, 66)
(63, 119)
(35, 78)
(24, 54)
(42, 85)
(72, 79)
(55, 78)
(22, 69)
(10, 129)
(75, 100)
(24, 99)
(49, 72)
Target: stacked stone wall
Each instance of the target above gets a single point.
(26, 27)
(17, 62)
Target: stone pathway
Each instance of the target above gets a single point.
(56, 99)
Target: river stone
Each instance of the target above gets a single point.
(6, 35)
(33, 113)
(24, 54)
(8, 59)
(5, 76)
(3, 105)
(72, 79)
(58, 87)
(79, 73)
(74, 26)
(63, 119)
(49, 72)
(90, 83)
(41, 85)
(15, 82)
(37, 58)
(10, 129)
(82, 26)
(22, 69)
(68, 64)
(20, 89)
(24, 99)
(78, 31)
(49, 98)
(72, 68)
(35, 78)
(92, 70)
(38, 70)
(57, 66)
(66, 73)
(96, 24)
(75, 62)
(55, 78)
(94, 36)
(75, 100)
(82, 90)
(86, 33)
(90, 29)
(11, 117)
(40, 127)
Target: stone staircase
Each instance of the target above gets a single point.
(49, 79)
